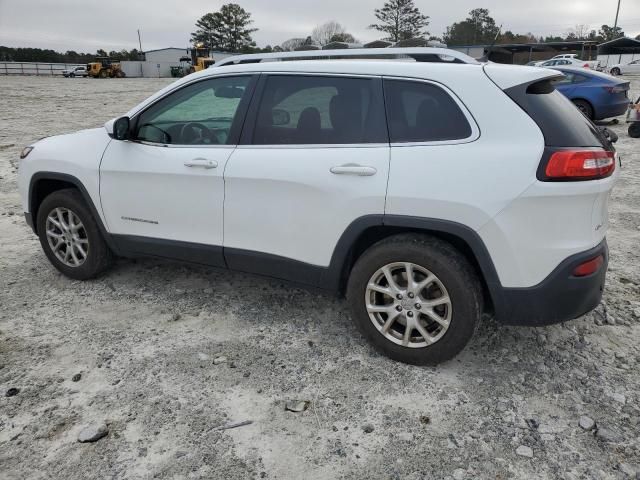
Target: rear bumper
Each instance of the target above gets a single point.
(560, 297)
(610, 110)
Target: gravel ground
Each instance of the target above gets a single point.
(139, 351)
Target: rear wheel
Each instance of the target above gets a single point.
(585, 107)
(634, 130)
(615, 71)
(70, 236)
(415, 298)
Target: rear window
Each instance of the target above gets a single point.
(423, 112)
(562, 124)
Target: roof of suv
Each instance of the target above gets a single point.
(504, 76)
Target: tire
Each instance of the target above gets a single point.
(615, 71)
(98, 255)
(585, 107)
(455, 279)
(634, 130)
(103, 74)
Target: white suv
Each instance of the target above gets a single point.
(428, 191)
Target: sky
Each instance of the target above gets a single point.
(86, 25)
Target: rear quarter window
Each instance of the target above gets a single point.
(562, 124)
(423, 112)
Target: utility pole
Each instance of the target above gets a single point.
(139, 41)
(615, 24)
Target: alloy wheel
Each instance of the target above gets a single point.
(67, 237)
(408, 304)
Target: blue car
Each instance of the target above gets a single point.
(596, 94)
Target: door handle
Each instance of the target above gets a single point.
(353, 169)
(201, 162)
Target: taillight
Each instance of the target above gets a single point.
(565, 165)
(617, 89)
(588, 267)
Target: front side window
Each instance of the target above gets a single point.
(423, 112)
(299, 109)
(202, 113)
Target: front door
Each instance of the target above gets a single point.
(162, 192)
(314, 157)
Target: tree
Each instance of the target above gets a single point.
(343, 37)
(478, 28)
(291, 44)
(579, 32)
(400, 20)
(323, 34)
(227, 30)
(510, 37)
(610, 33)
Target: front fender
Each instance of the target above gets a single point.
(76, 155)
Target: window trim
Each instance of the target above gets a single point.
(251, 118)
(475, 129)
(235, 129)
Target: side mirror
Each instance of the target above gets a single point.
(280, 117)
(121, 128)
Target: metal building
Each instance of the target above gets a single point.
(158, 63)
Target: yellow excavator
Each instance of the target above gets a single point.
(104, 67)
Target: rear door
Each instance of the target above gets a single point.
(314, 157)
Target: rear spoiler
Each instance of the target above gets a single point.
(507, 76)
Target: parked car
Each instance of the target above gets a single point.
(564, 55)
(625, 68)
(575, 62)
(596, 94)
(76, 72)
(427, 191)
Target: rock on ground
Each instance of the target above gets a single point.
(93, 433)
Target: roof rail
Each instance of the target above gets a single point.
(418, 54)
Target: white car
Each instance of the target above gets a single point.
(80, 71)
(569, 62)
(564, 55)
(428, 192)
(626, 68)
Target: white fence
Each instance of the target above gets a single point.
(35, 68)
(130, 68)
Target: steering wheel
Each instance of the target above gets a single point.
(194, 133)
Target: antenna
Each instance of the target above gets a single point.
(485, 57)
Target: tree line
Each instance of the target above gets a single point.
(10, 54)
(230, 29)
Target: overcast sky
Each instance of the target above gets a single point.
(86, 25)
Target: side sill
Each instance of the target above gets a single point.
(135, 246)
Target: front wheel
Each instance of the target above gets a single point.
(70, 236)
(615, 71)
(415, 298)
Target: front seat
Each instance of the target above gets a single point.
(309, 126)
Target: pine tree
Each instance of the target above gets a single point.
(400, 20)
(226, 30)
